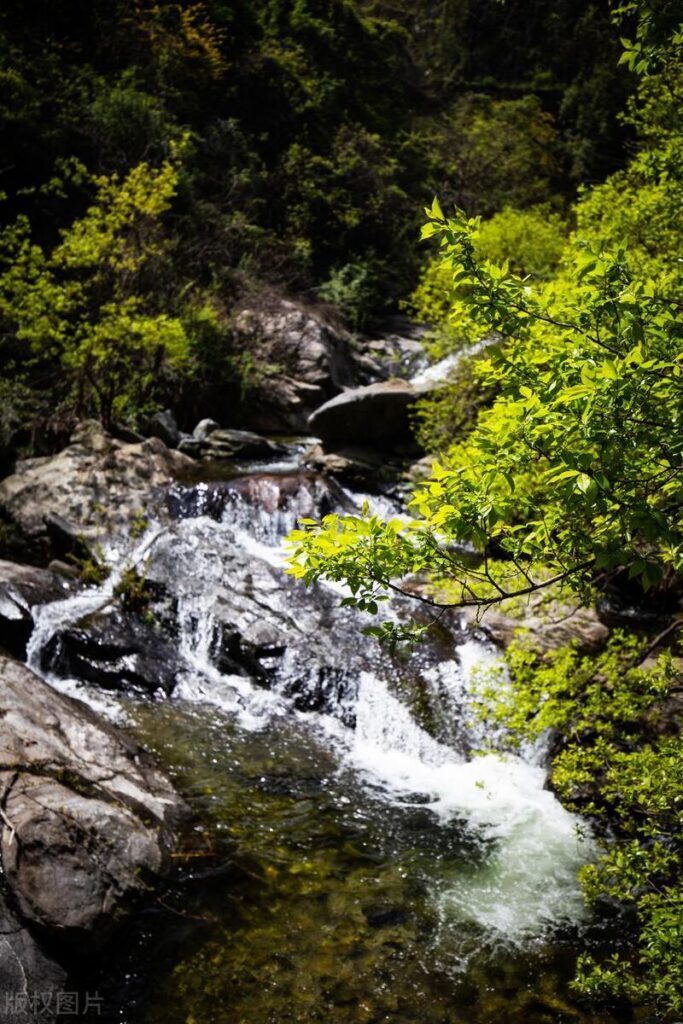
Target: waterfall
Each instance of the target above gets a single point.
(255, 646)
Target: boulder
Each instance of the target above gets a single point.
(22, 587)
(113, 649)
(377, 416)
(249, 618)
(30, 980)
(88, 820)
(309, 359)
(92, 489)
(204, 428)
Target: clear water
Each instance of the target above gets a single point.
(351, 860)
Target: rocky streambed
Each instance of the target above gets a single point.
(309, 836)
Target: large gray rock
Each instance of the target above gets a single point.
(115, 649)
(163, 425)
(377, 416)
(95, 486)
(22, 587)
(88, 820)
(309, 359)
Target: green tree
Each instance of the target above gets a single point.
(573, 474)
(91, 303)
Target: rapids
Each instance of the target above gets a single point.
(356, 857)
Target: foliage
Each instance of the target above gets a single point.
(620, 764)
(84, 305)
(350, 289)
(573, 473)
(497, 152)
(317, 125)
(532, 241)
(134, 593)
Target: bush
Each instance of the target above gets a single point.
(621, 763)
(531, 241)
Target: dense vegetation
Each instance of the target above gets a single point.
(162, 159)
(566, 476)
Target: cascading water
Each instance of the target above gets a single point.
(271, 659)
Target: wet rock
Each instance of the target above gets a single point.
(96, 486)
(310, 359)
(247, 613)
(217, 445)
(21, 588)
(398, 352)
(115, 650)
(163, 425)
(280, 499)
(88, 819)
(377, 416)
(328, 689)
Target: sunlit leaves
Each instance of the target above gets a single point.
(86, 303)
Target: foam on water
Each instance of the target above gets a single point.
(533, 847)
(523, 883)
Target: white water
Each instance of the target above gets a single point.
(440, 371)
(527, 881)
(523, 884)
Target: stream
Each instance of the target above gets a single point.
(354, 855)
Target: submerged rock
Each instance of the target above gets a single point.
(96, 486)
(88, 820)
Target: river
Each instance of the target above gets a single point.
(362, 849)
